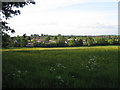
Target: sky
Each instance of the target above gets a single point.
(67, 17)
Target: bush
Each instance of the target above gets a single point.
(112, 41)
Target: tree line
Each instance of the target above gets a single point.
(59, 40)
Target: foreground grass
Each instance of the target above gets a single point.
(76, 67)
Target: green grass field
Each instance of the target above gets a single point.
(75, 67)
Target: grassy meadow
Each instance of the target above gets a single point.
(71, 67)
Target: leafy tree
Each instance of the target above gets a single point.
(60, 41)
(36, 44)
(54, 38)
(24, 35)
(79, 42)
(15, 44)
(67, 38)
(42, 34)
(109, 36)
(8, 12)
(100, 41)
(111, 41)
(59, 35)
(73, 38)
(5, 40)
(89, 42)
(23, 42)
(28, 38)
(47, 38)
(72, 42)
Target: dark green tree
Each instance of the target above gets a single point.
(23, 42)
(8, 12)
(72, 43)
(46, 39)
(89, 42)
(60, 41)
(24, 35)
(5, 40)
(59, 35)
(79, 42)
(100, 41)
(112, 41)
(54, 38)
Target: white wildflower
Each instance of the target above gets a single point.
(19, 71)
(58, 77)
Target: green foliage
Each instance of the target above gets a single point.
(80, 42)
(100, 41)
(72, 43)
(60, 41)
(112, 41)
(89, 42)
(5, 40)
(24, 35)
(47, 38)
(54, 38)
(23, 42)
(8, 12)
(59, 35)
(109, 36)
(35, 44)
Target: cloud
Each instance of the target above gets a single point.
(40, 18)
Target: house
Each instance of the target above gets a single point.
(68, 40)
(40, 40)
(52, 41)
(37, 40)
(84, 42)
(29, 44)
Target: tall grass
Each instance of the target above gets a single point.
(84, 67)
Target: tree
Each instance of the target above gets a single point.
(112, 41)
(59, 35)
(42, 34)
(89, 42)
(54, 38)
(24, 35)
(72, 42)
(5, 40)
(23, 42)
(100, 41)
(46, 39)
(79, 42)
(109, 36)
(8, 12)
(60, 41)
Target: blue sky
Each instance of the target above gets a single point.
(68, 17)
(92, 6)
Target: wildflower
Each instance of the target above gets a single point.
(19, 71)
(73, 76)
(25, 71)
(58, 65)
(58, 77)
(62, 81)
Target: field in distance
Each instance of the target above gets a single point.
(71, 67)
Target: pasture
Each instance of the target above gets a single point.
(71, 67)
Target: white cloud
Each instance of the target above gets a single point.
(40, 19)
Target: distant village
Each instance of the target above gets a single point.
(30, 44)
(36, 40)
